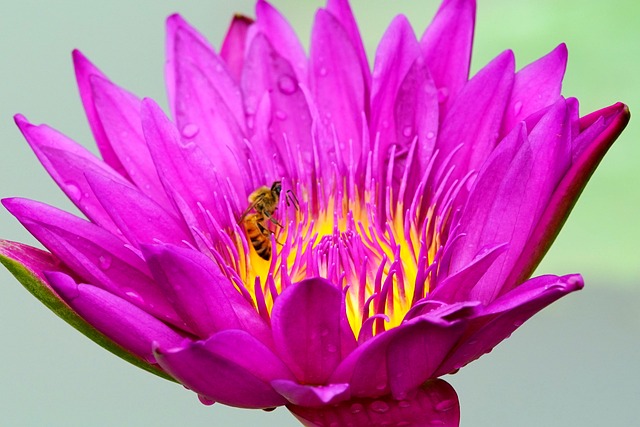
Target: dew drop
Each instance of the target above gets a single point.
(379, 406)
(104, 261)
(134, 296)
(73, 191)
(324, 332)
(445, 405)
(443, 94)
(281, 115)
(430, 135)
(356, 408)
(404, 404)
(323, 71)
(407, 131)
(190, 130)
(517, 107)
(401, 395)
(385, 124)
(381, 386)
(205, 400)
(251, 122)
(287, 84)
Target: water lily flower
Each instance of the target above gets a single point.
(306, 231)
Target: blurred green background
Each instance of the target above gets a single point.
(576, 363)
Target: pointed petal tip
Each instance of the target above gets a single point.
(63, 284)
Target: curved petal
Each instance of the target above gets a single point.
(27, 265)
(234, 44)
(281, 35)
(334, 70)
(203, 296)
(614, 120)
(94, 254)
(231, 367)
(208, 104)
(84, 70)
(435, 403)
(446, 44)
(127, 325)
(67, 162)
(496, 322)
(308, 329)
(139, 218)
(400, 359)
(309, 395)
(535, 87)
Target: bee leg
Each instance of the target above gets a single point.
(291, 198)
(272, 219)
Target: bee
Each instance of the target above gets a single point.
(264, 202)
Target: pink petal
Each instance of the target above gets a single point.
(234, 44)
(615, 119)
(121, 321)
(204, 297)
(475, 117)
(119, 113)
(140, 219)
(435, 403)
(67, 162)
(499, 319)
(309, 395)
(84, 70)
(35, 260)
(208, 104)
(335, 70)
(446, 45)
(94, 254)
(536, 86)
(281, 35)
(231, 367)
(308, 329)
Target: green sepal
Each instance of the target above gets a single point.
(46, 295)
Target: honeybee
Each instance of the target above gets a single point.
(264, 202)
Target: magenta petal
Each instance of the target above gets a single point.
(308, 331)
(208, 105)
(93, 254)
(231, 367)
(334, 69)
(184, 169)
(234, 44)
(341, 10)
(380, 365)
(446, 44)
(35, 260)
(267, 72)
(204, 297)
(475, 116)
(119, 113)
(139, 218)
(499, 319)
(281, 35)
(435, 403)
(67, 162)
(569, 188)
(536, 86)
(309, 395)
(84, 71)
(124, 323)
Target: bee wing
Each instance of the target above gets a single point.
(251, 206)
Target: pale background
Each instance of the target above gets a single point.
(575, 364)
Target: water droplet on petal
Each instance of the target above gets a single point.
(205, 400)
(323, 71)
(324, 332)
(190, 130)
(73, 191)
(404, 403)
(379, 406)
(356, 407)
(281, 115)
(517, 107)
(134, 296)
(407, 131)
(443, 94)
(287, 84)
(104, 261)
(385, 124)
(445, 405)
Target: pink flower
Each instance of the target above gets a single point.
(411, 205)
